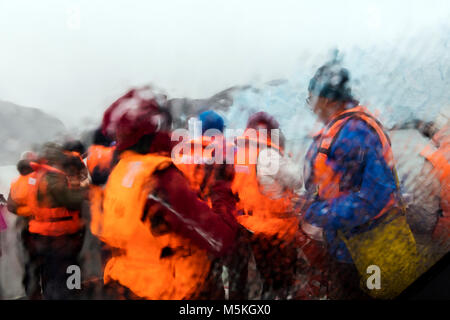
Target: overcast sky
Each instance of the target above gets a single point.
(73, 58)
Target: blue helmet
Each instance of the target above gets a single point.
(211, 120)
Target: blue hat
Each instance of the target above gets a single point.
(211, 120)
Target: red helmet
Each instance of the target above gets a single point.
(132, 116)
(262, 117)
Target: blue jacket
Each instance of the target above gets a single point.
(357, 154)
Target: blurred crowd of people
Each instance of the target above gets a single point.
(172, 228)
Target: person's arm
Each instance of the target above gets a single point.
(211, 229)
(357, 155)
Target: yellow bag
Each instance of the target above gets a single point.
(389, 246)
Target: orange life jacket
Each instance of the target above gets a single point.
(140, 266)
(46, 220)
(325, 179)
(193, 165)
(20, 192)
(99, 156)
(262, 213)
(439, 160)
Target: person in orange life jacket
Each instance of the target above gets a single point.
(55, 233)
(349, 174)
(100, 157)
(426, 215)
(164, 234)
(194, 165)
(3, 225)
(102, 154)
(437, 165)
(265, 204)
(19, 203)
(198, 152)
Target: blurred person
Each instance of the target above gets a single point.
(55, 230)
(427, 188)
(354, 206)
(193, 164)
(101, 157)
(19, 203)
(164, 238)
(196, 167)
(437, 165)
(19, 190)
(265, 205)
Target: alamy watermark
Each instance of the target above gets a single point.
(74, 280)
(233, 146)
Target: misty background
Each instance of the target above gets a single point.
(63, 62)
(73, 58)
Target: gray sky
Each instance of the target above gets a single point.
(73, 58)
